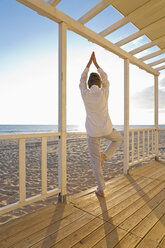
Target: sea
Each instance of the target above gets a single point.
(26, 129)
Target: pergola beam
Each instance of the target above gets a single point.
(54, 3)
(58, 16)
(127, 18)
(148, 45)
(157, 62)
(152, 55)
(137, 34)
(94, 11)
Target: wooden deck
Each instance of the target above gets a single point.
(131, 215)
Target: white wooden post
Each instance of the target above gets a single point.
(22, 171)
(62, 110)
(156, 117)
(126, 115)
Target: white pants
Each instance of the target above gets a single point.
(94, 150)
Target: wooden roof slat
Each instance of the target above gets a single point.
(140, 32)
(58, 16)
(95, 11)
(130, 38)
(157, 62)
(160, 68)
(128, 18)
(114, 26)
(148, 45)
(54, 3)
(152, 55)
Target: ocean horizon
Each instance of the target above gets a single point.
(20, 129)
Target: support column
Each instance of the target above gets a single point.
(62, 111)
(156, 117)
(126, 115)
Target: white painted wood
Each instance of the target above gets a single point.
(27, 136)
(146, 46)
(156, 115)
(152, 141)
(160, 68)
(130, 38)
(157, 62)
(28, 201)
(141, 160)
(138, 145)
(129, 18)
(152, 55)
(62, 106)
(95, 11)
(54, 3)
(22, 171)
(114, 26)
(56, 15)
(44, 165)
(143, 144)
(126, 115)
(148, 141)
(141, 129)
(138, 33)
(133, 146)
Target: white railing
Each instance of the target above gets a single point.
(142, 145)
(162, 143)
(22, 170)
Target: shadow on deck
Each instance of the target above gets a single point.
(131, 215)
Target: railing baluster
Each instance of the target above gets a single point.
(138, 144)
(22, 171)
(143, 144)
(132, 147)
(152, 141)
(148, 142)
(44, 165)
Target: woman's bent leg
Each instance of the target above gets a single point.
(116, 140)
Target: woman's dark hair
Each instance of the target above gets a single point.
(94, 79)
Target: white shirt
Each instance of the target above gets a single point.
(98, 122)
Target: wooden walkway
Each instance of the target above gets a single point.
(131, 215)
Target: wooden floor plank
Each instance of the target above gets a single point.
(113, 190)
(127, 188)
(122, 198)
(162, 242)
(28, 221)
(141, 213)
(112, 239)
(129, 241)
(117, 184)
(147, 223)
(131, 215)
(116, 216)
(154, 237)
(53, 233)
(48, 223)
(88, 235)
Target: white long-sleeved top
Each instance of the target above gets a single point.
(98, 122)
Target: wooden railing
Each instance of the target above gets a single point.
(162, 143)
(22, 170)
(142, 145)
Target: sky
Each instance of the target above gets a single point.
(29, 68)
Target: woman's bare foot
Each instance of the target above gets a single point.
(103, 157)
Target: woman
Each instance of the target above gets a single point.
(98, 122)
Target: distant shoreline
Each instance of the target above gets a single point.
(20, 129)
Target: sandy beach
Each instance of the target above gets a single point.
(79, 171)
